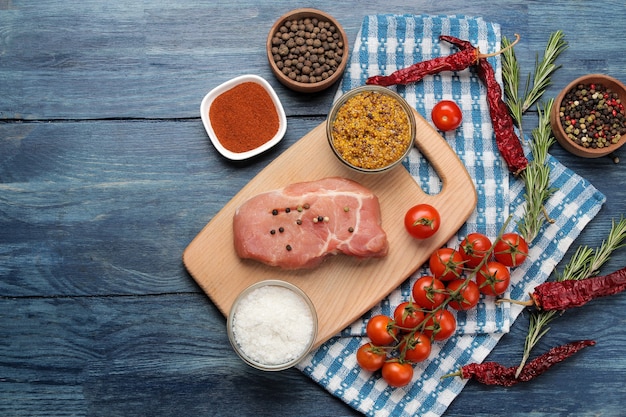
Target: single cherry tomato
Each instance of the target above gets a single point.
(397, 374)
(429, 292)
(447, 115)
(370, 357)
(422, 221)
(474, 248)
(380, 330)
(511, 250)
(467, 297)
(493, 278)
(440, 325)
(415, 348)
(446, 264)
(407, 316)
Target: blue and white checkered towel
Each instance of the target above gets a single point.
(384, 44)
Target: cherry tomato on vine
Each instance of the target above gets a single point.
(397, 374)
(429, 292)
(467, 297)
(380, 330)
(416, 347)
(447, 115)
(446, 264)
(407, 316)
(474, 247)
(511, 250)
(493, 278)
(440, 325)
(422, 221)
(370, 357)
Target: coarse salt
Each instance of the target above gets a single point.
(273, 325)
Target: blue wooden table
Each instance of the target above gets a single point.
(106, 174)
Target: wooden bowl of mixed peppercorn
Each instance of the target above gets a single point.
(588, 117)
(307, 50)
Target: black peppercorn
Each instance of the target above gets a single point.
(307, 38)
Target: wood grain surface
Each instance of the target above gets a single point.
(342, 289)
(106, 176)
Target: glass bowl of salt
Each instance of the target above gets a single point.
(272, 325)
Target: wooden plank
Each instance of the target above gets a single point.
(83, 206)
(135, 356)
(157, 355)
(87, 61)
(57, 207)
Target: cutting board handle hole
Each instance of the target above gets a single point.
(424, 173)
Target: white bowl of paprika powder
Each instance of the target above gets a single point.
(243, 117)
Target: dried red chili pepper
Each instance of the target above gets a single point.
(561, 295)
(489, 373)
(555, 355)
(493, 373)
(455, 62)
(507, 141)
(465, 58)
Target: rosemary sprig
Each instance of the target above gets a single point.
(537, 176)
(585, 263)
(511, 80)
(544, 69)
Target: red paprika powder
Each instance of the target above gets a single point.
(244, 117)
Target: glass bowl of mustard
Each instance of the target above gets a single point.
(371, 129)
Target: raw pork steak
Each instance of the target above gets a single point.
(299, 225)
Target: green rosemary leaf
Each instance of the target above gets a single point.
(545, 68)
(511, 79)
(537, 176)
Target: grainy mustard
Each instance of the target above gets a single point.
(371, 130)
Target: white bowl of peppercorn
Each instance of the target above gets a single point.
(307, 50)
(243, 117)
(588, 116)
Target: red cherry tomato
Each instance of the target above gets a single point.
(380, 330)
(511, 250)
(407, 316)
(446, 264)
(415, 348)
(474, 248)
(429, 292)
(493, 278)
(447, 115)
(397, 374)
(422, 221)
(370, 357)
(440, 325)
(467, 297)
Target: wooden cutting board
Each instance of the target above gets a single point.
(342, 288)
